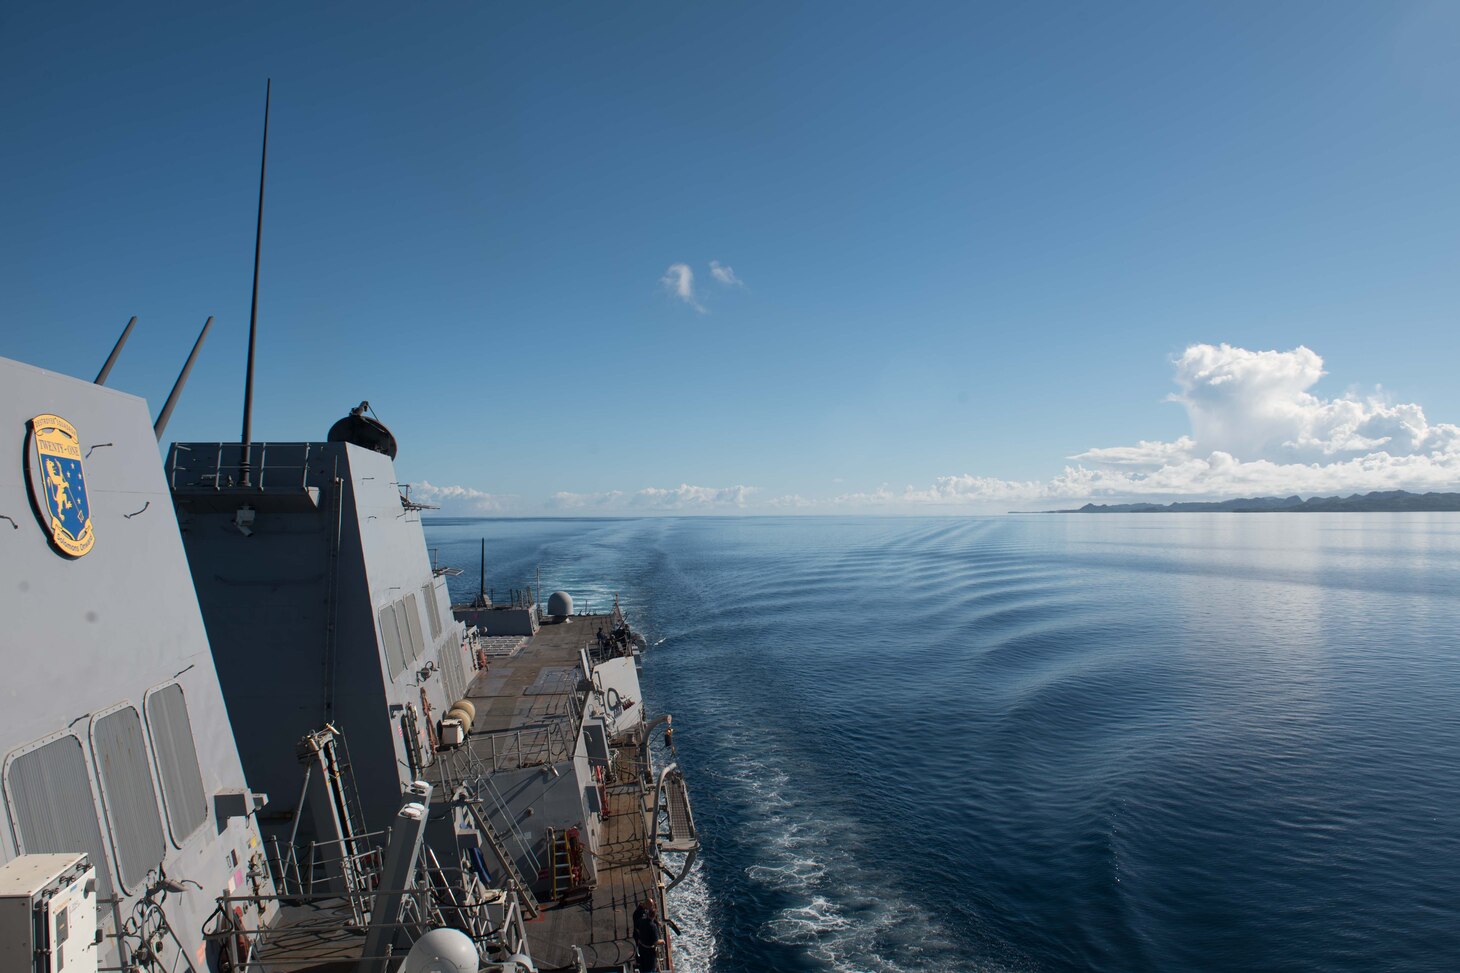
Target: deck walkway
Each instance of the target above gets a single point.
(527, 710)
(602, 924)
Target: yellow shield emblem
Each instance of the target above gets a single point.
(65, 509)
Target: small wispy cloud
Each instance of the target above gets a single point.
(725, 274)
(679, 280)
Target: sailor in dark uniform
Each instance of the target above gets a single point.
(647, 936)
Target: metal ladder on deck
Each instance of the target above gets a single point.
(562, 863)
(529, 901)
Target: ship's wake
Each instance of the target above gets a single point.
(834, 904)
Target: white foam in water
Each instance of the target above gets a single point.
(847, 916)
(689, 907)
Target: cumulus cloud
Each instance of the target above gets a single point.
(681, 498)
(725, 274)
(1256, 429)
(457, 496)
(1256, 405)
(679, 280)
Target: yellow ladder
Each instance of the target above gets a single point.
(562, 864)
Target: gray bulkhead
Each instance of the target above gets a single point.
(322, 607)
(113, 730)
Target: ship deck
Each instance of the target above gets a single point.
(537, 683)
(602, 925)
(521, 700)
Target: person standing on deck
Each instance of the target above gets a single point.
(647, 936)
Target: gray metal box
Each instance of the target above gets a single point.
(48, 915)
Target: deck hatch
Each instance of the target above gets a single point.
(177, 761)
(53, 807)
(126, 789)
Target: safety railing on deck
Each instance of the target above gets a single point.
(342, 865)
(220, 466)
(327, 929)
(534, 746)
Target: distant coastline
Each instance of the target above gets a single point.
(1355, 503)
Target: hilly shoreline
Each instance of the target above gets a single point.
(1401, 500)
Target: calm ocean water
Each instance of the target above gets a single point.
(1119, 743)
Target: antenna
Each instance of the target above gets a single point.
(112, 358)
(253, 313)
(182, 380)
(484, 566)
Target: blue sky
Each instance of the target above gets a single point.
(969, 242)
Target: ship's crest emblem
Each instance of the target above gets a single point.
(64, 507)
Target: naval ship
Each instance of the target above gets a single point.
(246, 730)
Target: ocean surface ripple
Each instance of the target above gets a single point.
(1027, 743)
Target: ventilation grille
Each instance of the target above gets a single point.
(391, 633)
(433, 610)
(413, 625)
(53, 807)
(451, 674)
(177, 761)
(126, 787)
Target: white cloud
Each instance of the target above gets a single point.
(1143, 453)
(681, 498)
(458, 496)
(1256, 430)
(679, 280)
(725, 274)
(1256, 405)
(961, 490)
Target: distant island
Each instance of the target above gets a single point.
(1367, 503)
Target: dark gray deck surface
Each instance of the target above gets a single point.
(509, 696)
(603, 924)
(311, 939)
(516, 698)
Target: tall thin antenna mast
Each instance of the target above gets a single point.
(160, 425)
(253, 314)
(112, 358)
(484, 568)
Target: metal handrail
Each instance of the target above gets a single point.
(548, 742)
(228, 458)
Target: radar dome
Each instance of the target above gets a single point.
(442, 951)
(560, 603)
(363, 430)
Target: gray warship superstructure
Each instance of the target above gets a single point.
(324, 610)
(117, 749)
(131, 838)
(320, 610)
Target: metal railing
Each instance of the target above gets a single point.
(221, 466)
(546, 743)
(442, 897)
